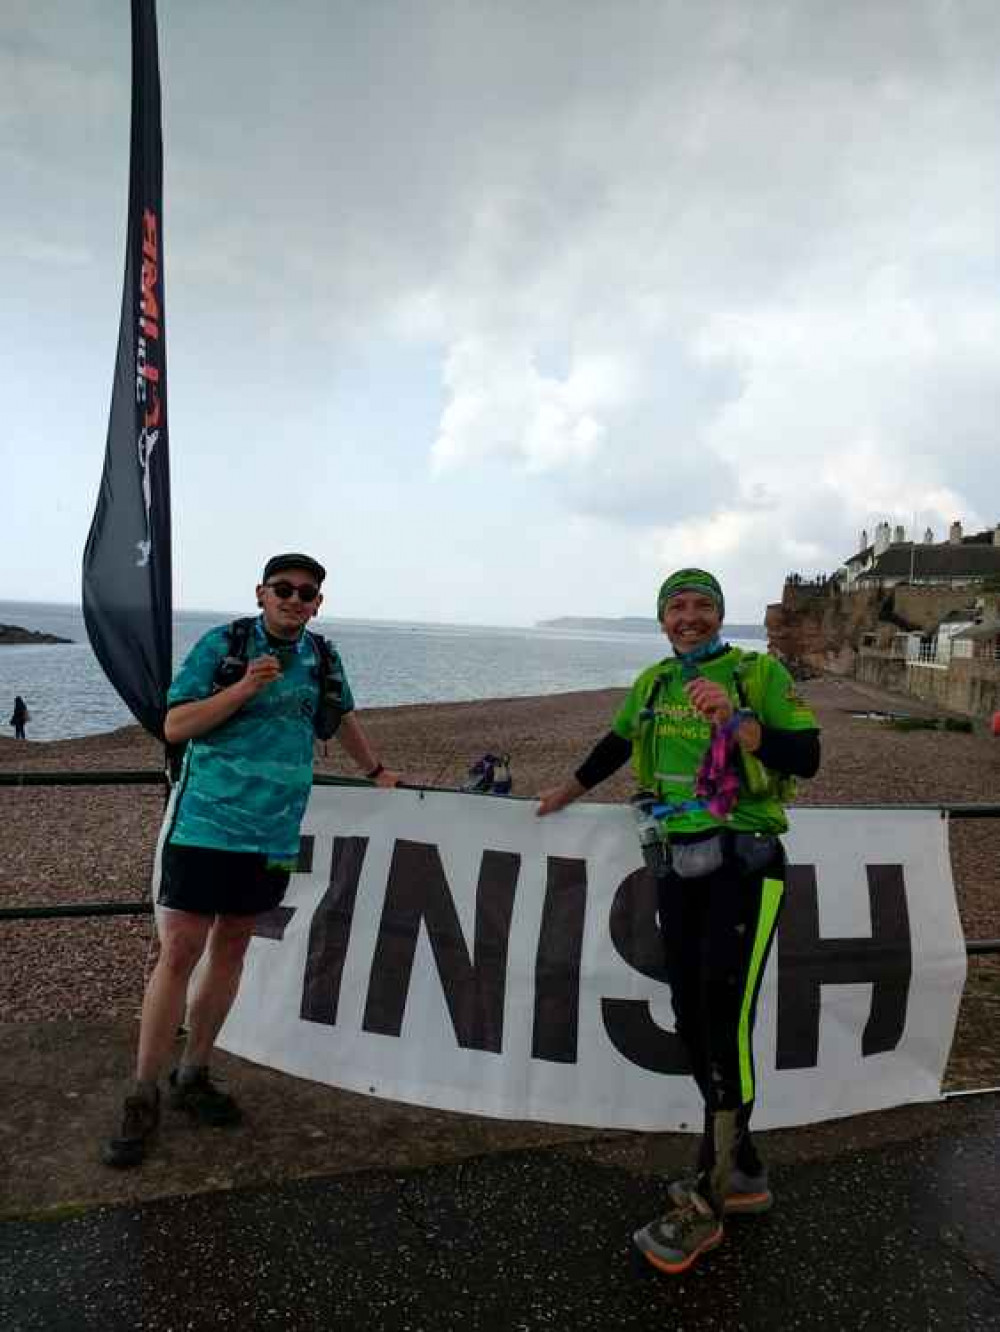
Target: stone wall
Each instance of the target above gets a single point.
(975, 687)
(882, 671)
(969, 687)
(930, 683)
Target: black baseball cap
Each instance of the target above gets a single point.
(293, 561)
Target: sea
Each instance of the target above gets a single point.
(387, 663)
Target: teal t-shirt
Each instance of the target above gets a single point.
(245, 785)
(668, 749)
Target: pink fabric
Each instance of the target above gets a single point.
(718, 779)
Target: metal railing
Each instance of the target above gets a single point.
(127, 777)
(44, 778)
(959, 810)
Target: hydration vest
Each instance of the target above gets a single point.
(748, 680)
(330, 706)
(232, 667)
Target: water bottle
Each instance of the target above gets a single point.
(654, 849)
(503, 782)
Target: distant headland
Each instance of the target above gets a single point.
(12, 635)
(639, 624)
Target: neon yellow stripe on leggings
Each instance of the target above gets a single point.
(771, 891)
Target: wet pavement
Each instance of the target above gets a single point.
(899, 1237)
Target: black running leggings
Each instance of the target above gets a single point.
(717, 934)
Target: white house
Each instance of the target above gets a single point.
(961, 561)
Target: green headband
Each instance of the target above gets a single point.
(690, 580)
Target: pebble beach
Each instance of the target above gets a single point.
(96, 843)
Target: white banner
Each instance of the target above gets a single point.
(457, 951)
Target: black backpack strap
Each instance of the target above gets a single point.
(239, 637)
(330, 707)
(230, 669)
(660, 682)
(746, 660)
(233, 665)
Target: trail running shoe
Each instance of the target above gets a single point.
(140, 1120)
(748, 1195)
(204, 1101)
(674, 1242)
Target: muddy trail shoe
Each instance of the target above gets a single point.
(674, 1242)
(748, 1195)
(140, 1120)
(203, 1101)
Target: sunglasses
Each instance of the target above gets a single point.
(283, 590)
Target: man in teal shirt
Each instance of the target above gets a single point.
(714, 736)
(231, 834)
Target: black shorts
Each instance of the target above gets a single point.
(219, 883)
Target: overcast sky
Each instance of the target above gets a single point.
(504, 310)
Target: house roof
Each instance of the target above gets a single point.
(988, 629)
(945, 560)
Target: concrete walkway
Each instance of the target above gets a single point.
(902, 1236)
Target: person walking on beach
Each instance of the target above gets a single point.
(714, 735)
(19, 716)
(231, 834)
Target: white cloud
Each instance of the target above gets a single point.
(501, 405)
(886, 400)
(818, 233)
(708, 283)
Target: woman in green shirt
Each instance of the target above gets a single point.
(715, 735)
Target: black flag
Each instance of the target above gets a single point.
(126, 563)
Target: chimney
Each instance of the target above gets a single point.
(899, 536)
(882, 532)
(928, 537)
(955, 534)
(864, 539)
(996, 535)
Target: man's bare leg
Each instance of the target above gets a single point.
(216, 985)
(182, 942)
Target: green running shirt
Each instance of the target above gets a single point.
(667, 751)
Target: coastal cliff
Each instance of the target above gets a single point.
(818, 627)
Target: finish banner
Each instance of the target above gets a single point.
(126, 563)
(457, 951)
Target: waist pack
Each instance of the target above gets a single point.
(694, 860)
(750, 852)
